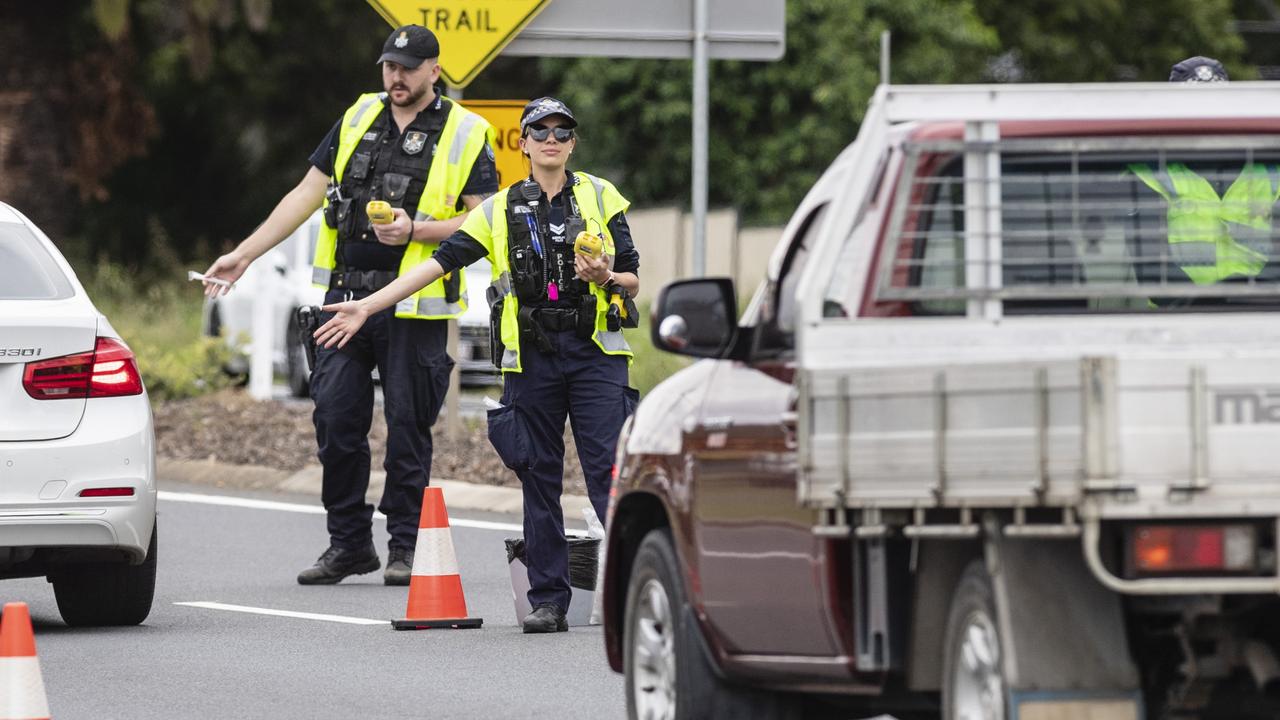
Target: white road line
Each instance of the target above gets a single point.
(256, 504)
(285, 613)
(230, 501)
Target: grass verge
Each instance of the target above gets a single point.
(158, 316)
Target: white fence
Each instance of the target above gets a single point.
(664, 238)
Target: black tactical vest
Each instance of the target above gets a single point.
(541, 269)
(384, 168)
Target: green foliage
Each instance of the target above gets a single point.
(1105, 40)
(774, 126)
(112, 17)
(651, 365)
(159, 318)
(241, 94)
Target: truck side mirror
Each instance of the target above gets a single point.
(696, 318)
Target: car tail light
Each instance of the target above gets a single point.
(1193, 548)
(115, 371)
(59, 378)
(110, 370)
(107, 492)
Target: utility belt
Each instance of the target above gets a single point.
(375, 280)
(371, 280)
(556, 319)
(539, 325)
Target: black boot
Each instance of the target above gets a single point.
(337, 563)
(399, 567)
(546, 618)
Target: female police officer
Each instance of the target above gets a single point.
(557, 337)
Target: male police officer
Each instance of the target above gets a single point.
(422, 154)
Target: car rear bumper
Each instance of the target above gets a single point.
(41, 482)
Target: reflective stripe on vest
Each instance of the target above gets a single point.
(437, 306)
(503, 284)
(465, 127)
(612, 341)
(599, 186)
(363, 108)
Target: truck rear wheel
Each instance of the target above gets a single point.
(973, 686)
(668, 675)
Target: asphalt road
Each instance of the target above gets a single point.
(197, 662)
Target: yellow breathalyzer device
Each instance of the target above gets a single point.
(588, 244)
(379, 212)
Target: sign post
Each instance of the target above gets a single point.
(701, 142)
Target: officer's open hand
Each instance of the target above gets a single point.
(229, 267)
(396, 232)
(348, 318)
(594, 270)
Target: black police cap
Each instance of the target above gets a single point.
(545, 107)
(409, 45)
(1198, 69)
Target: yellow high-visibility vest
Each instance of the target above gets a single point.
(461, 141)
(1213, 238)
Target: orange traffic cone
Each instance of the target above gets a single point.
(435, 590)
(21, 689)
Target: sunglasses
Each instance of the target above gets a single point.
(540, 133)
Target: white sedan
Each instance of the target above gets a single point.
(77, 446)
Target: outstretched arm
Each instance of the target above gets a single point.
(350, 316)
(294, 208)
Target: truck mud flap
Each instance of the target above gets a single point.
(1037, 705)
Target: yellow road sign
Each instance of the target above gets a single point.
(471, 32)
(504, 116)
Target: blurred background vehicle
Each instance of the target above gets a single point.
(77, 485)
(285, 272)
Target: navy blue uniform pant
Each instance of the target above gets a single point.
(414, 369)
(581, 383)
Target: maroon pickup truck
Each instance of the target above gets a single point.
(990, 442)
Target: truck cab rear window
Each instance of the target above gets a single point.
(27, 271)
(1089, 230)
